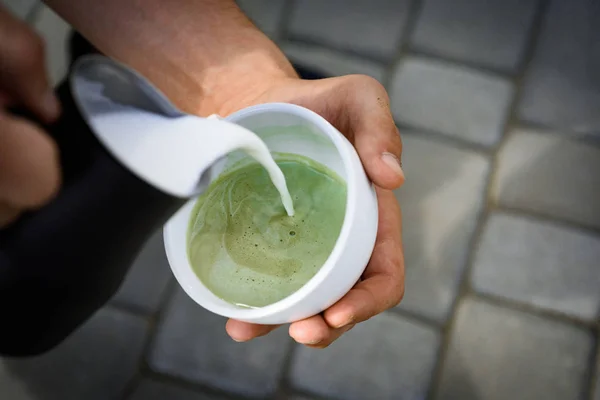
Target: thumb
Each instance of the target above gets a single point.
(376, 137)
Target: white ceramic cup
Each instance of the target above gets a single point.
(289, 128)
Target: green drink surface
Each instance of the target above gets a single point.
(245, 248)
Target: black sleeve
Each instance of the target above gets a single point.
(60, 264)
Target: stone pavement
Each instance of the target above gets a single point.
(499, 107)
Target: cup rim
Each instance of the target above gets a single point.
(342, 147)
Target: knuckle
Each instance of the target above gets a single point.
(373, 94)
(396, 143)
(398, 294)
(368, 83)
(396, 288)
(395, 137)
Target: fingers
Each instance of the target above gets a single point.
(382, 288)
(375, 134)
(23, 78)
(363, 114)
(359, 107)
(243, 331)
(314, 332)
(383, 281)
(29, 174)
(29, 167)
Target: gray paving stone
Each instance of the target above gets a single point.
(330, 62)
(489, 33)
(596, 387)
(302, 397)
(562, 86)
(266, 14)
(367, 362)
(551, 175)
(452, 100)
(373, 28)
(499, 354)
(147, 280)
(441, 200)
(97, 362)
(153, 390)
(191, 343)
(20, 8)
(539, 263)
(55, 32)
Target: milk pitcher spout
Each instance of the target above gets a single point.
(144, 131)
(173, 151)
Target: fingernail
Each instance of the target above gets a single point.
(51, 105)
(342, 325)
(313, 342)
(348, 321)
(393, 162)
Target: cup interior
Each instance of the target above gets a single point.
(285, 129)
(287, 133)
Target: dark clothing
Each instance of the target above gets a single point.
(60, 264)
(44, 302)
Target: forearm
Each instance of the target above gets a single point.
(201, 53)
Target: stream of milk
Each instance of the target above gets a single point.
(262, 155)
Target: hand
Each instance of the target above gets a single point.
(207, 57)
(29, 174)
(358, 106)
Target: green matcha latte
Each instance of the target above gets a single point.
(245, 248)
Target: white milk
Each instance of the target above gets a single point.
(177, 154)
(263, 156)
(172, 151)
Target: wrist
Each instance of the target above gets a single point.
(205, 55)
(218, 80)
(227, 89)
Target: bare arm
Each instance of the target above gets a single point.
(188, 48)
(208, 57)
